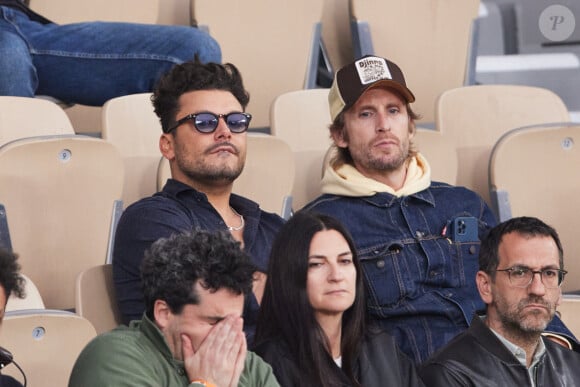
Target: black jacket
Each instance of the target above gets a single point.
(477, 357)
(379, 364)
(19, 5)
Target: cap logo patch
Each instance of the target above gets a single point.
(372, 69)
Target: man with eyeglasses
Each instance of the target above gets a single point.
(201, 108)
(521, 270)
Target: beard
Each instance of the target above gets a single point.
(383, 163)
(527, 324)
(207, 172)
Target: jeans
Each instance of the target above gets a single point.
(89, 63)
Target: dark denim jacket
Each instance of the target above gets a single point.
(178, 208)
(420, 281)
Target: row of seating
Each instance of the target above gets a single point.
(34, 336)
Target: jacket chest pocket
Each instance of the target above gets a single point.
(389, 274)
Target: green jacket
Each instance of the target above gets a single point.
(138, 355)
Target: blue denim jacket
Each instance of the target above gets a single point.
(420, 281)
(177, 208)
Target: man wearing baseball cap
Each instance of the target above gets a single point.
(418, 240)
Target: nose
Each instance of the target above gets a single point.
(383, 122)
(336, 273)
(537, 286)
(222, 130)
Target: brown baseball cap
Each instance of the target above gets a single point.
(352, 80)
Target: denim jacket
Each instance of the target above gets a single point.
(420, 278)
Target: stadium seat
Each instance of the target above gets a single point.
(534, 171)
(428, 39)
(73, 11)
(569, 311)
(45, 344)
(60, 195)
(301, 118)
(274, 43)
(95, 298)
(473, 118)
(130, 124)
(31, 300)
(28, 117)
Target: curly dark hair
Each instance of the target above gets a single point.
(172, 266)
(193, 76)
(10, 279)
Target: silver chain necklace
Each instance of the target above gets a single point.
(242, 222)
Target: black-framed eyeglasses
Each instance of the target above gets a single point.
(207, 122)
(521, 276)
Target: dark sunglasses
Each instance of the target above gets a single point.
(207, 122)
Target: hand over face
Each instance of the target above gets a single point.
(220, 357)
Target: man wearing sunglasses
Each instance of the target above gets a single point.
(521, 270)
(201, 108)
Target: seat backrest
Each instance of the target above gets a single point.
(428, 39)
(275, 50)
(473, 118)
(267, 177)
(301, 118)
(27, 117)
(45, 344)
(130, 123)
(72, 11)
(59, 193)
(95, 298)
(539, 164)
(32, 298)
(569, 310)
(440, 154)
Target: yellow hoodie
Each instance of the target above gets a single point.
(348, 181)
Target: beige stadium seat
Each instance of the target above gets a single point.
(569, 311)
(60, 194)
(73, 11)
(473, 118)
(267, 177)
(301, 118)
(428, 39)
(274, 43)
(95, 298)
(27, 117)
(31, 300)
(45, 344)
(534, 171)
(440, 154)
(130, 123)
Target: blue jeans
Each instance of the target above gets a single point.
(89, 63)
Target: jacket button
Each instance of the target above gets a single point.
(432, 273)
(471, 249)
(381, 264)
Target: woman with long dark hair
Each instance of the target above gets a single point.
(312, 325)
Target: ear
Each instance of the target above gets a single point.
(162, 314)
(559, 300)
(166, 145)
(412, 128)
(339, 138)
(484, 283)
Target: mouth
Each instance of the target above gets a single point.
(386, 142)
(336, 292)
(223, 147)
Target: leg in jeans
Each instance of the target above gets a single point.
(89, 63)
(17, 72)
